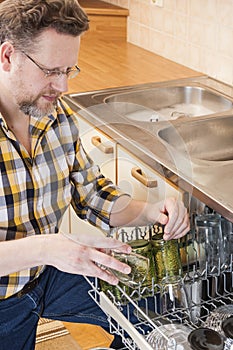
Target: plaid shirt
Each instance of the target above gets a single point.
(36, 190)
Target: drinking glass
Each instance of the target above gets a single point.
(210, 243)
(175, 303)
(139, 268)
(227, 232)
(170, 337)
(194, 290)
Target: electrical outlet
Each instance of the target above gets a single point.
(157, 2)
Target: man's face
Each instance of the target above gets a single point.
(34, 93)
(34, 104)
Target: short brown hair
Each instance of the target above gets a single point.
(21, 21)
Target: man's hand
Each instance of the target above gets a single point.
(84, 254)
(170, 212)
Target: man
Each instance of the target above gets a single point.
(43, 169)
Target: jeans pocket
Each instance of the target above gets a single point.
(15, 313)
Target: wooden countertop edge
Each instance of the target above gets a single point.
(95, 7)
(107, 12)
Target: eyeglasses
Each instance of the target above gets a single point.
(55, 73)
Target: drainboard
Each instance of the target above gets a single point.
(209, 139)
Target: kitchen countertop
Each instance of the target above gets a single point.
(107, 64)
(110, 61)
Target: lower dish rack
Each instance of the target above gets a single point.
(134, 320)
(136, 316)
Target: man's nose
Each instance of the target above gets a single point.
(60, 83)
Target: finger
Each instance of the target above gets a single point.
(103, 274)
(113, 244)
(179, 231)
(107, 261)
(107, 276)
(177, 216)
(98, 241)
(169, 213)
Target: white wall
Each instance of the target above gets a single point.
(195, 33)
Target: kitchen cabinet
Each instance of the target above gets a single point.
(100, 147)
(65, 225)
(102, 150)
(107, 21)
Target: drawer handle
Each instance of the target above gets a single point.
(138, 174)
(96, 141)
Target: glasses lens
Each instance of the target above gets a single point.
(73, 73)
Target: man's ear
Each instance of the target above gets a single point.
(6, 51)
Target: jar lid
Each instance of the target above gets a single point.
(205, 339)
(157, 236)
(227, 327)
(138, 243)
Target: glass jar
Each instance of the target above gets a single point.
(167, 259)
(188, 251)
(144, 248)
(141, 247)
(113, 292)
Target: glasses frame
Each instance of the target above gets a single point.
(50, 73)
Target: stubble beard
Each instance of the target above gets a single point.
(29, 104)
(31, 108)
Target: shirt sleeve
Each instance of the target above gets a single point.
(93, 194)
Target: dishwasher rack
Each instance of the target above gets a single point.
(134, 317)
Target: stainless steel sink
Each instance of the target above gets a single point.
(210, 139)
(167, 103)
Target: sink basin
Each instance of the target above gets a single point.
(167, 103)
(210, 139)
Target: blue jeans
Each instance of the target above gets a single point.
(59, 296)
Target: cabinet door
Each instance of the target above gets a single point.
(103, 152)
(65, 224)
(140, 181)
(100, 148)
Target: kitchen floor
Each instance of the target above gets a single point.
(89, 336)
(80, 337)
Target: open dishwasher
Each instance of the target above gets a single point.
(136, 316)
